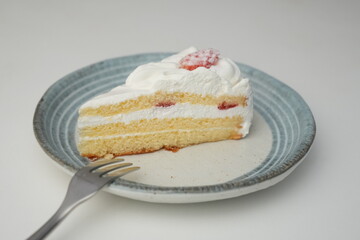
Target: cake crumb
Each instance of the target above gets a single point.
(172, 148)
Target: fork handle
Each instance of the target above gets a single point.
(45, 229)
(72, 200)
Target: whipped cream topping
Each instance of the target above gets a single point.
(224, 78)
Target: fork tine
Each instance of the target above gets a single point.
(118, 172)
(111, 166)
(104, 162)
(115, 168)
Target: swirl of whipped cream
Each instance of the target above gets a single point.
(224, 78)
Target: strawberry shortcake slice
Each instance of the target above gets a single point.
(192, 97)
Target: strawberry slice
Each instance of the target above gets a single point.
(164, 104)
(202, 58)
(227, 105)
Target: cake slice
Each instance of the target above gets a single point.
(188, 98)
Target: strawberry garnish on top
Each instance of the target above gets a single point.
(202, 58)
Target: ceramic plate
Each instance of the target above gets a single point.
(281, 135)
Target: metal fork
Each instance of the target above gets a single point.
(83, 185)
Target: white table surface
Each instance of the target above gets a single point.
(313, 46)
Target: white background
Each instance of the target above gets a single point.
(313, 46)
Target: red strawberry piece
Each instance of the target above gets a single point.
(202, 58)
(226, 105)
(164, 104)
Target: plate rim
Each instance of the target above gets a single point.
(122, 184)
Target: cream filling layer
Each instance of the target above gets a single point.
(150, 133)
(180, 110)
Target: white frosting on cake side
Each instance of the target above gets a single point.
(224, 78)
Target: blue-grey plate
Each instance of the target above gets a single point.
(281, 135)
